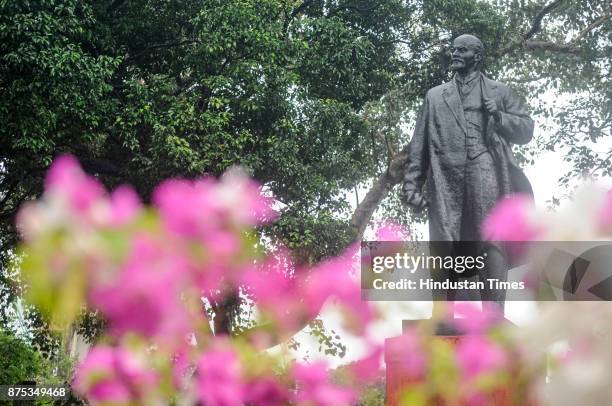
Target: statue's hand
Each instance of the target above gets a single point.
(418, 201)
(413, 199)
(491, 106)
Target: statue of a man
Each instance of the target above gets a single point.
(460, 162)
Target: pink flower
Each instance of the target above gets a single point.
(243, 197)
(219, 379)
(288, 300)
(475, 321)
(512, 220)
(113, 375)
(476, 355)
(265, 392)
(414, 363)
(223, 244)
(124, 206)
(33, 219)
(145, 295)
(389, 230)
(180, 366)
(199, 209)
(332, 278)
(314, 386)
(368, 369)
(277, 294)
(188, 208)
(66, 178)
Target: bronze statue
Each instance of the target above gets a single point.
(460, 162)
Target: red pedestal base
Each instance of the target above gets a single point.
(399, 379)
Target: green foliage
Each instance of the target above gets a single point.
(19, 362)
(313, 97)
(90, 326)
(329, 341)
(374, 395)
(194, 88)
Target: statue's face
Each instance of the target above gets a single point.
(464, 55)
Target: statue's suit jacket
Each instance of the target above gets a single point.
(437, 153)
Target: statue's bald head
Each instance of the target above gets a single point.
(472, 42)
(467, 54)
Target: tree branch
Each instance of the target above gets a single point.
(158, 46)
(222, 322)
(295, 13)
(354, 8)
(379, 190)
(563, 48)
(592, 26)
(536, 26)
(552, 46)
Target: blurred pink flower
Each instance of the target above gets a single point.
(244, 198)
(315, 387)
(33, 219)
(125, 205)
(213, 279)
(414, 363)
(199, 209)
(219, 379)
(112, 375)
(512, 220)
(66, 178)
(389, 230)
(605, 213)
(145, 295)
(277, 294)
(332, 278)
(265, 392)
(180, 366)
(476, 321)
(223, 244)
(291, 299)
(188, 208)
(478, 355)
(368, 368)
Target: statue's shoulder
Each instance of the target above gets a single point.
(437, 91)
(495, 84)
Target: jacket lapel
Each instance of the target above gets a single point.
(488, 90)
(451, 97)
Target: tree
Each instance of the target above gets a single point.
(19, 362)
(312, 97)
